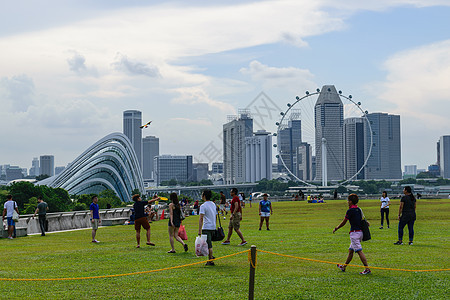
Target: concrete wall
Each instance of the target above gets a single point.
(70, 220)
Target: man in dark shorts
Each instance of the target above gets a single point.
(41, 210)
(141, 219)
(207, 222)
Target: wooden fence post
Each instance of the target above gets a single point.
(251, 283)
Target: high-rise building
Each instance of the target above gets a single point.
(329, 125)
(410, 171)
(303, 162)
(444, 143)
(217, 167)
(178, 167)
(150, 149)
(47, 163)
(384, 161)
(59, 170)
(14, 172)
(200, 171)
(234, 134)
(258, 160)
(132, 120)
(354, 147)
(288, 139)
(34, 170)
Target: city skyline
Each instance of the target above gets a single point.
(67, 74)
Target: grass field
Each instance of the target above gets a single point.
(297, 228)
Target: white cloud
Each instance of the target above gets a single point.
(19, 90)
(416, 87)
(124, 64)
(286, 77)
(198, 96)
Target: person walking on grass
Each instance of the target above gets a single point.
(235, 218)
(95, 217)
(175, 222)
(354, 215)
(141, 219)
(265, 210)
(207, 222)
(41, 210)
(9, 208)
(384, 208)
(406, 215)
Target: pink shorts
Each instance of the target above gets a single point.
(355, 241)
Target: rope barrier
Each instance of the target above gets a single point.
(201, 262)
(350, 265)
(250, 259)
(119, 275)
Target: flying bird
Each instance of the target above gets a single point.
(145, 125)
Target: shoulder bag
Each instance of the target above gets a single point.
(15, 215)
(364, 227)
(218, 234)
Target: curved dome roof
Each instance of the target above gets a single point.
(110, 163)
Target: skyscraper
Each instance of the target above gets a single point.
(385, 159)
(354, 147)
(303, 162)
(329, 124)
(132, 120)
(178, 167)
(34, 170)
(150, 149)
(288, 139)
(258, 160)
(47, 163)
(234, 134)
(444, 143)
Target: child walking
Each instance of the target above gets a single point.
(354, 215)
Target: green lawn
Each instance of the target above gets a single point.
(297, 228)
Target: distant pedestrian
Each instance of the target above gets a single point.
(41, 210)
(235, 218)
(223, 201)
(265, 210)
(354, 215)
(384, 210)
(9, 208)
(141, 219)
(175, 222)
(406, 215)
(95, 217)
(196, 206)
(207, 222)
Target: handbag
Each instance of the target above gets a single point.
(218, 234)
(182, 216)
(182, 233)
(365, 227)
(15, 215)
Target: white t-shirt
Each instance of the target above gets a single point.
(384, 202)
(208, 209)
(10, 205)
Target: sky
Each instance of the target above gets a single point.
(68, 69)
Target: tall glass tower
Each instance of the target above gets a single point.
(329, 123)
(132, 120)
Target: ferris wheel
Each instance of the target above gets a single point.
(345, 161)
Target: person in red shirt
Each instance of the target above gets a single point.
(235, 218)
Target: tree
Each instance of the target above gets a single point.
(108, 197)
(42, 177)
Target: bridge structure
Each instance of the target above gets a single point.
(195, 192)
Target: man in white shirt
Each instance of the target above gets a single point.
(8, 210)
(207, 222)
